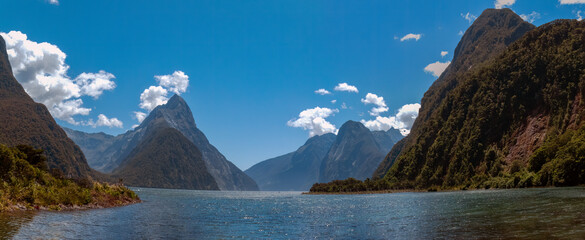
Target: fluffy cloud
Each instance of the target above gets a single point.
(94, 84)
(322, 91)
(444, 53)
(67, 109)
(410, 36)
(530, 17)
(42, 71)
(469, 17)
(344, 87)
(177, 82)
(54, 2)
(572, 1)
(402, 121)
(152, 97)
(579, 17)
(140, 116)
(333, 101)
(504, 3)
(313, 119)
(437, 68)
(378, 101)
(104, 121)
(157, 95)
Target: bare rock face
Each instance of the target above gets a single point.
(22, 121)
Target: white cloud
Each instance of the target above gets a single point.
(67, 109)
(104, 121)
(344, 87)
(460, 33)
(444, 53)
(140, 116)
(152, 97)
(333, 101)
(378, 101)
(572, 1)
(42, 71)
(469, 17)
(402, 121)
(437, 68)
(499, 4)
(579, 17)
(322, 91)
(313, 119)
(343, 105)
(54, 2)
(94, 84)
(530, 17)
(177, 82)
(410, 36)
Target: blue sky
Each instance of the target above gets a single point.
(251, 66)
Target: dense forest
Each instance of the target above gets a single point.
(515, 121)
(27, 183)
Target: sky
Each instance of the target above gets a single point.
(261, 77)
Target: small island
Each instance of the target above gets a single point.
(28, 184)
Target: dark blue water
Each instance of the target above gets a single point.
(526, 213)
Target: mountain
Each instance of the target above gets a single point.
(387, 139)
(355, 153)
(488, 36)
(25, 122)
(174, 114)
(299, 170)
(295, 171)
(166, 159)
(514, 121)
(93, 146)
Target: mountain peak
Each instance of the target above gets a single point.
(9, 87)
(490, 33)
(175, 113)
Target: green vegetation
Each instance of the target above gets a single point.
(25, 183)
(466, 141)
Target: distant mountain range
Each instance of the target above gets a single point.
(22, 121)
(116, 154)
(354, 152)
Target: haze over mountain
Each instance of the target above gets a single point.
(514, 121)
(174, 114)
(300, 169)
(295, 171)
(22, 121)
(355, 153)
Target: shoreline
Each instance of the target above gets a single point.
(365, 192)
(66, 208)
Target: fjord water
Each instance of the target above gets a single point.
(164, 213)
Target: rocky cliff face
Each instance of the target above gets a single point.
(514, 121)
(488, 36)
(22, 121)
